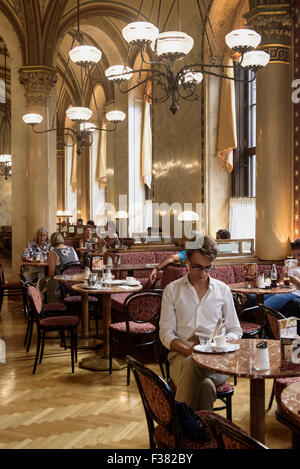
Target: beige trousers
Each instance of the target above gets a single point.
(194, 385)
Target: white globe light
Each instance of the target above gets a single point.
(188, 215)
(140, 32)
(5, 158)
(255, 60)
(79, 114)
(173, 45)
(85, 55)
(32, 118)
(119, 73)
(115, 116)
(87, 127)
(191, 78)
(243, 40)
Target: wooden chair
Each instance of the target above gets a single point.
(10, 288)
(140, 328)
(60, 324)
(161, 414)
(272, 316)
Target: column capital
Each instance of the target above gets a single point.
(274, 23)
(38, 81)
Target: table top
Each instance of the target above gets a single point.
(240, 288)
(115, 289)
(35, 263)
(70, 277)
(241, 362)
(290, 400)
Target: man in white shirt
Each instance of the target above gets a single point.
(187, 303)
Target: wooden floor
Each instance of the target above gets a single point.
(55, 409)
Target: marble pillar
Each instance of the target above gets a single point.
(274, 153)
(41, 150)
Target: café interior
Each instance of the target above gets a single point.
(187, 119)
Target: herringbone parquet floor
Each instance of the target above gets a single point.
(85, 410)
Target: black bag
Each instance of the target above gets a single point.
(189, 424)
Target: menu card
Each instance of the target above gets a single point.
(289, 344)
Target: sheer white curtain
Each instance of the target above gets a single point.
(242, 217)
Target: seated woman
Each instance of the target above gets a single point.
(60, 255)
(109, 238)
(36, 250)
(89, 238)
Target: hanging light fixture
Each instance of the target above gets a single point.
(5, 155)
(169, 47)
(81, 133)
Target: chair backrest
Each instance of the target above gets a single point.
(157, 398)
(273, 316)
(171, 273)
(1, 275)
(143, 306)
(231, 437)
(35, 301)
(70, 269)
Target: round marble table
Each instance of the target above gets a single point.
(241, 363)
(99, 362)
(290, 400)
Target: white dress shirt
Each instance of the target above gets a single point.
(182, 311)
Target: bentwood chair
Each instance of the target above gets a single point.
(140, 326)
(60, 324)
(10, 289)
(279, 384)
(164, 427)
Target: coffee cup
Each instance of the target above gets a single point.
(130, 280)
(220, 341)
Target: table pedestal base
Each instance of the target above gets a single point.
(257, 409)
(98, 362)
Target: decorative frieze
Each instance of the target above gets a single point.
(38, 82)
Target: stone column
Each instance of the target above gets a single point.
(274, 153)
(41, 159)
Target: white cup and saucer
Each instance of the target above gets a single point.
(220, 341)
(131, 281)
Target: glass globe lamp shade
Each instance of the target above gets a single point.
(115, 116)
(243, 40)
(191, 78)
(85, 55)
(79, 114)
(87, 127)
(5, 159)
(32, 118)
(140, 33)
(173, 45)
(255, 60)
(119, 73)
(188, 215)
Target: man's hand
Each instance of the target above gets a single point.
(153, 275)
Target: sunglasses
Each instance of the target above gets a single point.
(207, 268)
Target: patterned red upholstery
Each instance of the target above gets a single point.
(172, 273)
(282, 383)
(135, 327)
(117, 301)
(224, 273)
(249, 327)
(225, 387)
(59, 322)
(36, 298)
(273, 323)
(77, 299)
(54, 307)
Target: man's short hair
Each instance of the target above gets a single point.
(295, 244)
(223, 234)
(209, 249)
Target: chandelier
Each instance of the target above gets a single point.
(81, 132)
(5, 155)
(162, 51)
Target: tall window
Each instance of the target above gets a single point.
(244, 177)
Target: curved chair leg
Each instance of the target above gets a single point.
(72, 348)
(110, 352)
(38, 344)
(128, 375)
(272, 396)
(1, 298)
(28, 341)
(43, 346)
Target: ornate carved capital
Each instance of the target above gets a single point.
(38, 82)
(274, 23)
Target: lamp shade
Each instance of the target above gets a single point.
(115, 116)
(6, 159)
(188, 215)
(85, 55)
(140, 32)
(79, 114)
(87, 127)
(255, 60)
(32, 118)
(243, 40)
(173, 45)
(121, 214)
(118, 73)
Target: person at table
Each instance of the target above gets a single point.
(79, 222)
(189, 302)
(222, 234)
(89, 238)
(109, 237)
(37, 248)
(60, 255)
(289, 303)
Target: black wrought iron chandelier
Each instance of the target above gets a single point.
(82, 131)
(167, 48)
(5, 154)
